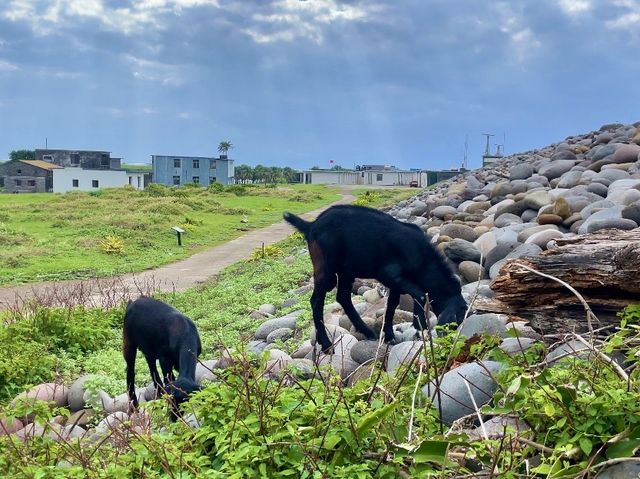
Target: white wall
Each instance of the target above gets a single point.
(63, 179)
(367, 177)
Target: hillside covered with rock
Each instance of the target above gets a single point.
(539, 204)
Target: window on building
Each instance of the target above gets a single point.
(47, 157)
(31, 182)
(18, 182)
(75, 183)
(176, 179)
(379, 177)
(176, 162)
(213, 164)
(94, 183)
(196, 180)
(75, 159)
(196, 163)
(212, 180)
(138, 178)
(130, 180)
(105, 162)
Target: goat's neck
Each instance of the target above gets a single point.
(188, 361)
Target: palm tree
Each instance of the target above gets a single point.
(224, 147)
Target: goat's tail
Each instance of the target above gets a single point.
(297, 222)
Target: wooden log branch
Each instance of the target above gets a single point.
(604, 267)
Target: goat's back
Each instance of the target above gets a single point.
(158, 329)
(361, 238)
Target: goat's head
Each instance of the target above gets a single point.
(453, 310)
(179, 391)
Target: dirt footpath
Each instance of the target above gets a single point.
(177, 276)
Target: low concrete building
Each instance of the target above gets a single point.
(389, 176)
(28, 176)
(89, 159)
(81, 179)
(202, 170)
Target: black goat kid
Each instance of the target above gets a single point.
(163, 334)
(347, 242)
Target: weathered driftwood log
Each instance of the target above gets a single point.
(603, 267)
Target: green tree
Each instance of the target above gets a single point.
(224, 147)
(16, 155)
(243, 173)
(338, 168)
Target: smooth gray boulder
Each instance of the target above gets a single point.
(454, 399)
(458, 250)
(570, 349)
(513, 346)
(404, 353)
(481, 324)
(288, 321)
(364, 351)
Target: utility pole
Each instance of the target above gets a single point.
(486, 150)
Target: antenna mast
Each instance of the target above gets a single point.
(486, 150)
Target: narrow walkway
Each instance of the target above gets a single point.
(178, 276)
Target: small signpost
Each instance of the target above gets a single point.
(179, 232)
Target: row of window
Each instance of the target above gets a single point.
(94, 183)
(105, 161)
(194, 163)
(194, 179)
(29, 182)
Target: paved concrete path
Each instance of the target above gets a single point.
(178, 276)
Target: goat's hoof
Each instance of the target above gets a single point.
(328, 350)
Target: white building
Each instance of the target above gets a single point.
(79, 179)
(365, 177)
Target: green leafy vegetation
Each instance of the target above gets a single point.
(582, 411)
(75, 235)
(379, 197)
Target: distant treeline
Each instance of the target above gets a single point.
(266, 174)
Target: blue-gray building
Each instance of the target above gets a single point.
(202, 170)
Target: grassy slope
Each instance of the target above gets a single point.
(52, 237)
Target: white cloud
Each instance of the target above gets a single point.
(522, 39)
(149, 70)
(575, 7)
(184, 115)
(630, 20)
(148, 110)
(45, 16)
(306, 19)
(6, 66)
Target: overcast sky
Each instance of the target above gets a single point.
(301, 82)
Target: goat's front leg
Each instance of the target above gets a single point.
(166, 364)
(155, 376)
(317, 306)
(343, 296)
(392, 303)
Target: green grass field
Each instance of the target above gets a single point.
(65, 236)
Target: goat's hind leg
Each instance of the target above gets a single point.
(129, 351)
(343, 297)
(395, 281)
(317, 306)
(392, 303)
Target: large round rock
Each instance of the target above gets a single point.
(270, 325)
(454, 399)
(483, 324)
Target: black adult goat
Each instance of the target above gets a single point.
(162, 333)
(347, 242)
